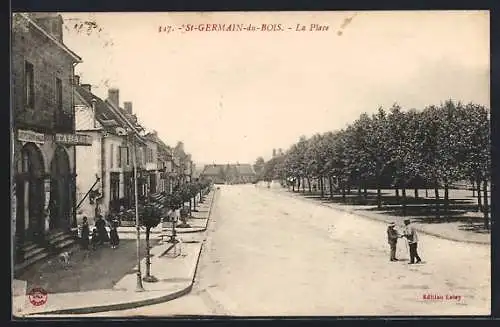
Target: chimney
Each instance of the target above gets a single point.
(274, 153)
(52, 23)
(114, 97)
(280, 151)
(128, 107)
(94, 111)
(76, 80)
(87, 87)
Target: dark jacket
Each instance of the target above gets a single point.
(392, 235)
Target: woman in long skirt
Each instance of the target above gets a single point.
(85, 231)
(114, 238)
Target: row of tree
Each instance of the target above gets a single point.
(153, 209)
(430, 148)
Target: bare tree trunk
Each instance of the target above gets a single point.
(416, 193)
(397, 194)
(321, 186)
(446, 198)
(485, 207)
(148, 253)
(479, 205)
(473, 189)
(379, 192)
(403, 192)
(426, 192)
(331, 186)
(309, 184)
(436, 193)
(343, 191)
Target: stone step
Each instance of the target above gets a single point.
(33, 252)
(54, 236)
(26, 263)
(29, 246)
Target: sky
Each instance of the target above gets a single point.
(232, 96)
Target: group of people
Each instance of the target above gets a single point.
(99, 233)
(410, 234)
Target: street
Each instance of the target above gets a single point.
(269, 254)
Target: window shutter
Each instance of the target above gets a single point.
(111, 155)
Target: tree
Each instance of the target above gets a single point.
(151, 215)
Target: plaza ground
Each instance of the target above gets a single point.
(266, 253)
(88, 270)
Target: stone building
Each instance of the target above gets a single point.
(43, 131)
(229, 173)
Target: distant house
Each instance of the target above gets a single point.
(229, 173)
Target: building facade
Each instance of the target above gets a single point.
(44, 139)
(106, 182)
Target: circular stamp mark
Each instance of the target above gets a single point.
(37, 296)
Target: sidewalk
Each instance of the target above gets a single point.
(446, 230)
(199, 219)
(174, 267)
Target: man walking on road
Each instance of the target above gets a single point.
(392, 239)
(412, 237)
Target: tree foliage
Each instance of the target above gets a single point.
(396, 148)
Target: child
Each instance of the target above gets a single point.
(85, 231)
(95, 238)
(115, 240)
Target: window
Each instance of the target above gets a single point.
(29, 84)
(150, 155)
(128, 156)
(118, 157)
(111, 155)
(59, 95)
(115, 186)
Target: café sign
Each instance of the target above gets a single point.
(74, 139)
(30, 136)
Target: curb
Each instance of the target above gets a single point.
(200, 229)
(128, 305)
(139, 303)
(361, 214)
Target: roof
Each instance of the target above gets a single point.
(212, 170)
(238, 169)
(105, 114)
(245, 169)
(162, 147)
(63, 47)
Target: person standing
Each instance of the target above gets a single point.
(85, 231)
(411, 235)
(392, 239)
(113, 234)
(100, 224)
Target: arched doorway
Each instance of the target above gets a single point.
(29, 196)
(60, 190)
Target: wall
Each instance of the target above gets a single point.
(89, 164)
(111, 166)
(49, 62)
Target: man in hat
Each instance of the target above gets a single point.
(411, 235)
(392, 239)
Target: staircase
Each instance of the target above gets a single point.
(33, 253)
(58, 241)
(55, 243)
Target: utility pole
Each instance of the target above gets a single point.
(139, 287)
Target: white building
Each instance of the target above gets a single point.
(104, 176)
